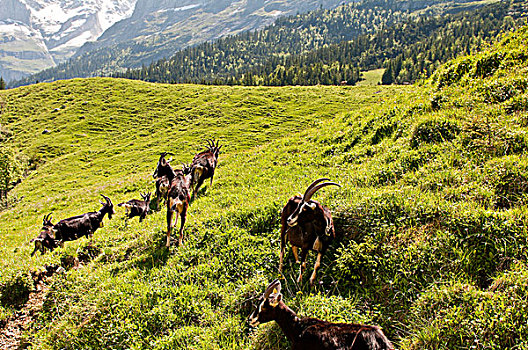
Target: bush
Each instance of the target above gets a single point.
(12, 166)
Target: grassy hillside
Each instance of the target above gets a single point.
(432, 213)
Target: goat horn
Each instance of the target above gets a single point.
(313, 184)
(309, 193)
(108, 201)
(273, 285)
(164, 154)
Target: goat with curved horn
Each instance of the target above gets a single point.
(137, 207)
(204, 165)
(308, 225)
(309, 333)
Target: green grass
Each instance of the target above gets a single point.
(371, 77)
(431, 215)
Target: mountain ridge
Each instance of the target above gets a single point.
(51, 28)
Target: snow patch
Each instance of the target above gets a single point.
(73, 43)
(183, 8)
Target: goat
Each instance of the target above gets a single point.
(308, 225)
(311, 333)
(204, 164)
(83, 225)
(162, 188)
(178, 195)
(162, 181)
(45, 239)
(136, 207)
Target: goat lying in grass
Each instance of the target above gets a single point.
(314, 334)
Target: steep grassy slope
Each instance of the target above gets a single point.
(432, 213)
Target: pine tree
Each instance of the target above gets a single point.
(387, 77)
(2, 84)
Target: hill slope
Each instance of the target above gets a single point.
(432, 213)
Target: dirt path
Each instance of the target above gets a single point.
(11, 335)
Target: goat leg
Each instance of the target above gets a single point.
(183, 217)
(169, 224)
(304, 253)
(295, 251)
(316, 266)
(211, 182)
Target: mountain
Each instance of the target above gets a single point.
(331, 46)
(158, 29)
(287, 35)
(37, 34)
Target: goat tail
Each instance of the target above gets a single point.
(375, 339)
(121, 204)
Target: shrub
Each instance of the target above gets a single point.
(503, 89)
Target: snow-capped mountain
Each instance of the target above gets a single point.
(36, 34)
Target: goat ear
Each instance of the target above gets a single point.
(311, 205)
(274, 299)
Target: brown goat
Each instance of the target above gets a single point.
(46, 238)
(83, 225)
(136, 207)
(314, 334)
(162, 188)
(178, 196)
(308, 225)
(203, 165)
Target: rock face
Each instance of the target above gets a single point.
(110, 35)
(159, 28)
(37, 34)
(194, 21)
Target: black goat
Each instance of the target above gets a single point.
(204, 164)
(314, 334)
(308, 225)
(83, 225)
(46, 239)
(178, 196)
(136, 207)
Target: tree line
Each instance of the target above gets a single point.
(409, 47)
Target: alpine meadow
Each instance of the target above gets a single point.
(431, 235)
